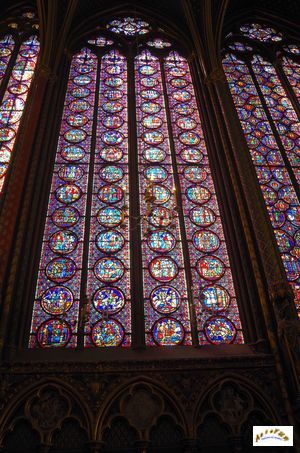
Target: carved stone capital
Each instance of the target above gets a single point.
(216, 75)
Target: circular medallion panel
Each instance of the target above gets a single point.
(156, 173)
(70, 173)
(113, 81)
(153, 137)
(214, 298)
(160, 194)
(110, 194)
(191, 155)
(152, 122)
(112, 137)
(150, 107)
(82, 80)
(189, 138)
(210, 268)
(72, 153)
(149, 82)
(219, 330)
(160, 217)
(77, 120)
(147, 70)
(110, 241)
(155, 155)
(111, 154)
(198, 194)
(292, 266)
(186, 123)
(182, 96)
(107, 332)
(80, 92)
(183, 109)
(68, 193)
(178, 82)
(168, 332)
(194, 173)
(113, 95)
(57, 300)
(149, 94)
(11, 111)
(60, 270)
(163, 269)
(206, 241)
(65, 217)
(165, 299)
(161, 241)
(75, 135)
(109, 270)
(63, 242)
(53, 333)
(110, 216)
(176, 71)
(113, 122)
(108, 300)
(202, 216)
(111, 173)
(112, 107)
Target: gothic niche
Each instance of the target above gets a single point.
(226, 416)
(142, 415)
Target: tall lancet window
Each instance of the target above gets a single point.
(262, 68)
(19, 49)
(133, 249)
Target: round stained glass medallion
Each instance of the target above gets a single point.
(160, 193)
(113, 95)
(214, 298)
(181, 96)
(277, 218)
(65, 217)
(177, 71)
(284, 241)
(129, 26)
(79, 105)
(112, 107)
(111, 173)
(60, 270)
(109, 270)
(191, 155)
(219, 330)
(111, 154)
(110, 216)
(165, 299)
(150, 107)
(149, 94)
(153, 137)
(113, 122)
(210, 268)
(110, 241)
(28, 52)
(70, 173)
(161, 241)
(202, 216)
(156, 173)
(110, 194)
(198, 194)
(17, 88)
(292, 266)
(6, 134)
(183, 109)
(23, 70)
(57, 300)
(152, 122)
(63, 242)
(163, 269)
(84, 68)
(189, 138)
(149, 82)
(68, 193)
(168, 332)
(147, 70)
(155, 155)
(206, 241)
(11, 111)
(82, 80)
(293, 214)
(80, 92)
(113, 81)
(112, 137)
(160, 217)
(114, 69)
(77, 120)
(108, 300)
(186, 123)
(194, 173)
(72, 153)
(107, 332)
(53, 333)
(75, 135)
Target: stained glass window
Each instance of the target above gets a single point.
(18, 59)
(265, 98)
(131, 142)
